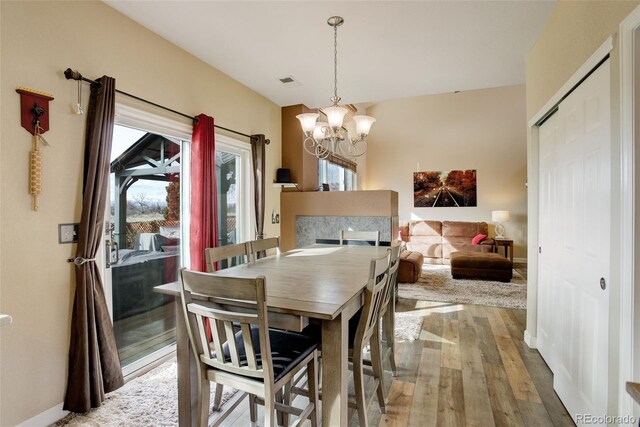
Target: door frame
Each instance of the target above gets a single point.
(629, 293)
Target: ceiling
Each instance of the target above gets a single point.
(386, 49)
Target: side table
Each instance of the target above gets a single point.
(508, 247)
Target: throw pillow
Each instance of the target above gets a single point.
(478, 238)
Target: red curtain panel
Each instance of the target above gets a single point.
(204, 200)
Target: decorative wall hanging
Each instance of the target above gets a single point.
(444, 189)
(34, 106)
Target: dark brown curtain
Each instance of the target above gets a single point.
(94, 365)
(258, 144)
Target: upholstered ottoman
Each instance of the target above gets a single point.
(480, 265)
(410, 266)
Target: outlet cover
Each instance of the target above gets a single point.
(68, 233)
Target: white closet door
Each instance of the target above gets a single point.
(575, 182)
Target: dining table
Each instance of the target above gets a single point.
(318, 283)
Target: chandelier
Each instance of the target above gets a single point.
(323, 139)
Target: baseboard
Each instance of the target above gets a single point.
(520, 260)
(46, 418)
(529, 340)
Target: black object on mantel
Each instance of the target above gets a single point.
(283, 176)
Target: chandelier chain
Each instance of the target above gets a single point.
(335, 63)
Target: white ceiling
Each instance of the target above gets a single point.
(386, 49)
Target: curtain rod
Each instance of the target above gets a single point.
(75, 75)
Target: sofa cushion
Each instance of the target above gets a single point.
(425, 228)
(464, 229)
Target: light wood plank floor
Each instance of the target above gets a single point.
(470, 367)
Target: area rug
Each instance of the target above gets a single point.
(436, 284)
(408, 326)
(149, 400)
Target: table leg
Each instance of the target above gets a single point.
(335, 371)
(187, 374)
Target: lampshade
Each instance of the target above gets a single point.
(308, 121)
(335, 116)
(500, 216)
(363, 124)
(319, 131)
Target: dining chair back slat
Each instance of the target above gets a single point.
(374, 296)
(225, 253)
(387, 311)
(262, 245)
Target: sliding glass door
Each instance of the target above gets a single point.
(143, 242)
(146, 242)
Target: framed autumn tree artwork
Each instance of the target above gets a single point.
(455, 188)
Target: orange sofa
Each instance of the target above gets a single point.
(437, 240)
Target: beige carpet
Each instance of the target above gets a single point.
(408, 326)
(149, 400)
(436, 284)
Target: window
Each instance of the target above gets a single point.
(340, 176)
(234, 192)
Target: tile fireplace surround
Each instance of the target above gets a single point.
(311, 228)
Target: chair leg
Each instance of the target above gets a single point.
(358, 382)
(217, 399)
(283, 396)
(312, 380)
(269, 409)
(378, 372)
(203, 404)
(253, 410)
(389, 335)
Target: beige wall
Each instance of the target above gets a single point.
(573, 32)
(482, 129)
(39, 40)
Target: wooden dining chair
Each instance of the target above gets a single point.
(363, 236)
(256, 360)
(262, 245)
(364, 329)
(226, 255)
(388, 325)
(368, 332)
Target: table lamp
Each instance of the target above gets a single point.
(500, 217)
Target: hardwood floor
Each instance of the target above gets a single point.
(470, 367)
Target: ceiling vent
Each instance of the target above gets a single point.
(289, 81)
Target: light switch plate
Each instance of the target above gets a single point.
(68, 233)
